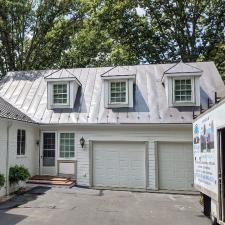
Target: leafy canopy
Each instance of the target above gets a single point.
(43, 34)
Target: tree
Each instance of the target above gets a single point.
(41, 34)
(33, 34)
(185, 29)
(110, 35)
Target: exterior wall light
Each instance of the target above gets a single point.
(82, 141)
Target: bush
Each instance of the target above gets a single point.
(2, 180)
(17, 174)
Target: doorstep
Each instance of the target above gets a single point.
(51, 180)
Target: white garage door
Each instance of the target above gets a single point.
(175, 166)
(119, 164)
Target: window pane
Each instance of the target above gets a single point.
(60, 94)
(118, 92)
(21, 142)
(67, 148)
(183, 90)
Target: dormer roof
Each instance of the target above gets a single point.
(119, 72)
(62, 74)
(183, 68)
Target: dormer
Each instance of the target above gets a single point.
(118, 87)
(182, 85)
(62, 86)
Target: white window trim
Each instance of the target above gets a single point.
(192, 101)
(71, 158)
(68, 94)
(127, 95)
(25, 150)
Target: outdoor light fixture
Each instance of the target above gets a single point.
(82, 141)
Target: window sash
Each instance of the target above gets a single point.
(21, 142)
(60, 94)
(67, 145)
(183, 90)
(118, 92)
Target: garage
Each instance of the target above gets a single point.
(175, 166)
(119, 164)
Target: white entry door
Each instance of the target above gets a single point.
(119, 164)
(48, 153)
(175, 166)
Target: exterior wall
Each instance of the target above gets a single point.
(3, 147)
(31, 158)
(150, 134)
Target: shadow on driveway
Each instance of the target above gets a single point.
(18, 200)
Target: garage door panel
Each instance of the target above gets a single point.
(175, 166)
(119, 164)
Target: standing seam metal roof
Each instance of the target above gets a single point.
(27, 91)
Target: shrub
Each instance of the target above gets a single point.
(17, 174)
(2, 180)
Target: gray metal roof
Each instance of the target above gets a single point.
(9, 112)
(61, 74)
(183, 68)
(119, 71)
(27, 91)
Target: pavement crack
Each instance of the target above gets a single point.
(38, 207)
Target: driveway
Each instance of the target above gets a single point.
(76, 206)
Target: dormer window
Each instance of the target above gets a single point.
(61, 93)
(118, 92)
(182, 85)
(183, 90)
(118, 87)
(62, 87)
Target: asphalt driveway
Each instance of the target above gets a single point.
(62, 206)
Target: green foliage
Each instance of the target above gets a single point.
(2, 180)
(79, 33)
(33, 34)
(18, 173)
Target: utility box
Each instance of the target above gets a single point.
(209, 160)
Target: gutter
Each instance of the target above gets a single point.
(9, 125)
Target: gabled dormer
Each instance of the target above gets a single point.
(182, 85)
(62, 86)
(118, 87)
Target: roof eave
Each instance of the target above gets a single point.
(63, 79)
(110, 77)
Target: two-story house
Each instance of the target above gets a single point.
(115, 127)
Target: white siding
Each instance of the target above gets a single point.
(30, 160)
(3, 147)
(150, 134)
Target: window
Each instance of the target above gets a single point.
(66, 149)
(21, 142)
(183, 90)
(118, 92)
(60, 93)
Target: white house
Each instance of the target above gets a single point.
(18, 136)
(123, 127)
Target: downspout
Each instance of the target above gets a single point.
(9, 125)
(39, 153)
